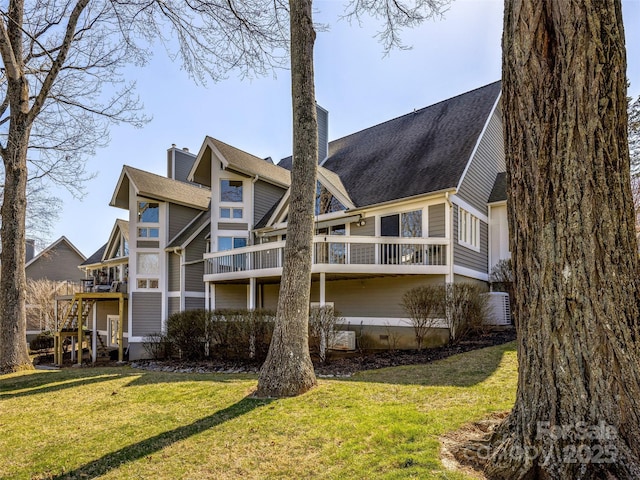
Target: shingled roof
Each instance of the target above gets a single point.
(421, 152)
(157, 187)
(194, 227)
(499, 190)
(96, 257)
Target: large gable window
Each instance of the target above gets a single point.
(468, 229)
(231, 190)
(326, 202)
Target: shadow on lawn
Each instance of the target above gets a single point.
(136, 451)
(466, 370)
(55, 381)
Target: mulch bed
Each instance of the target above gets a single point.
(343, 365)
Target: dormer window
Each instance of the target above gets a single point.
(231, 190)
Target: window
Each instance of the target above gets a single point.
(406, 225)
(148, 232)
(148, 212)
(147, 283)
(227, 212)
(229, 243)
(231, 190)
(148, 265)
(325, 201)
(468, 229)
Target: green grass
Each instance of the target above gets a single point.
(124, 423)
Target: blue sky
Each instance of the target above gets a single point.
(354, 81)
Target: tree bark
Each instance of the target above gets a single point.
(577, 410)
(14, 355)
(288, 370)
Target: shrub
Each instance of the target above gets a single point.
(322, 329)
(466, 309)
(190, 333)
(157, 346)
(41, 342)
(423, 305)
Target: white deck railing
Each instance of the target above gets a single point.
(335, 250)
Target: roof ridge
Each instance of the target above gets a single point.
(419, 110)
(240, 150)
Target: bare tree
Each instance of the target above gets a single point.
(40, 301)
(62, 86)
(425, 306)
(577, 410)
(288, 369)
(634, 135)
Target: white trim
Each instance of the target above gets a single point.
(469, 208)
(387, 322)
(468, 272)
(480, 137)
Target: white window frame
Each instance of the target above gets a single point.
(232, 212)
(468, 230)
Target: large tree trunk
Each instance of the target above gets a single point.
(288, 370)
(13, 335)
(577, 411)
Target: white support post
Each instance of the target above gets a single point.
(251, 290)
(94, 337)
(207, 298)
(323, 276)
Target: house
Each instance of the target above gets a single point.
(419, 199)
(58, 264)
(399, 204)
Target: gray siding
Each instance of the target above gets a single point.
(368, 229)
(147, 244)
(371, 297)
(183, 163)
(233, 226)
(265, 195)
(193, 303)
(59, 263)
(147, 313)
(173, 272)
(109, 307)
(323, 133)
(193, 281)
(437, 220)
(179, 217)
(231, 296)
(173, 305)
(465, 257)
(194, 272)
(488, 161)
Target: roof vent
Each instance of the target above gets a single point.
(186, 149)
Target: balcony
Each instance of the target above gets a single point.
(335, 254)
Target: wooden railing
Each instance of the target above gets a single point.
(335, 250)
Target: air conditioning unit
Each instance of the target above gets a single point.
(498, 309)
(343, 340)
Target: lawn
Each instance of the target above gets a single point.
(125, 423)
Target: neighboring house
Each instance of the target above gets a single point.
(400, 204)
(417, 200)
(58, 264)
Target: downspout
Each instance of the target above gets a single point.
(452, 237)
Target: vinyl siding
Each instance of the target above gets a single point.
(366, 230)
(265, 195)
(147, 244)
(194, 303)
(147, 313)
(437, 220)
(233, 226)
(179, 217)
(487, 162)
(105, 308)
(194, 272)
(466, 257)
(231, 296)
(323, 133)
(184, 162)
(371, 297)
(59, 263)
(173, 305)
(173, 272)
